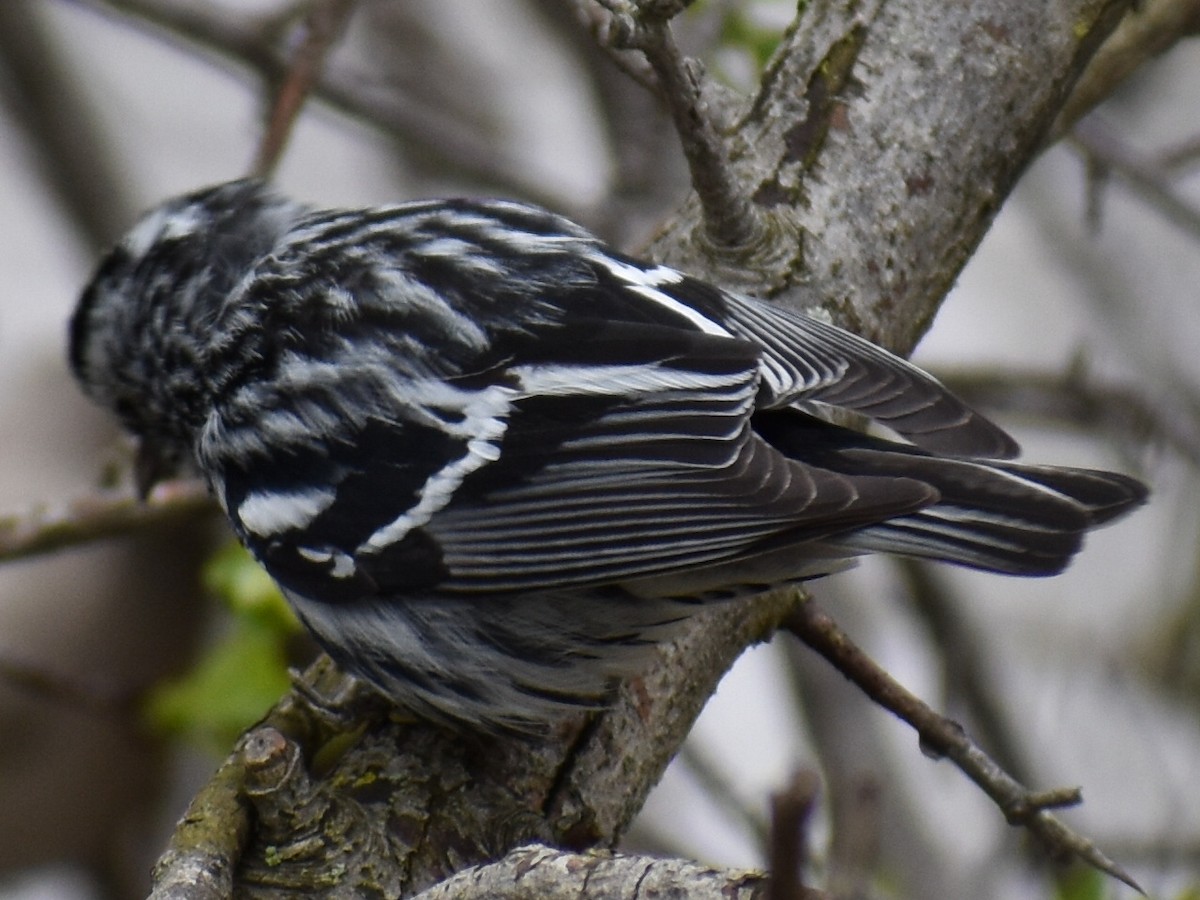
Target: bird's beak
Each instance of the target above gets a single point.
(150, 466)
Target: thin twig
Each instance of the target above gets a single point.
(964, 657)
(323, 26)
(1103, 146)
(245, 41)
(942, 737)
(48, 527)
(791, 812)
(730, 218)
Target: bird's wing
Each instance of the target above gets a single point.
(624, 450)
(806, 361)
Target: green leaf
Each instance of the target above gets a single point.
(234, 576)
(228, 690)
(1079, 882)
(244, 672)
(740, 30)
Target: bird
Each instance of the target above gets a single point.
(491, 461)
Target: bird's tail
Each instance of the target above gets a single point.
(995, 515)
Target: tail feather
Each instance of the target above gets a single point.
(1104, 495)
(995, 515)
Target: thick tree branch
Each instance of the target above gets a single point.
(881, 145)
(542, 872)
(208, 842)
(399, 806)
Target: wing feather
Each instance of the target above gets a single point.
(831, 366)
(806, 361)
(530, 475)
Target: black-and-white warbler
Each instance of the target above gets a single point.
(488, 459)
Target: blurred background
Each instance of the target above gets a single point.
(1077, 326)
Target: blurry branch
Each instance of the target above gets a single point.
(942, 737)
(1167, 651)
(36, 680)
(1184, 155)
(324, 24)
(1069, 399)
(41, 89)
(791, 816)
(718, 786)
(1107, 153)
(1149, 30)
(252, 43)
(102, 514)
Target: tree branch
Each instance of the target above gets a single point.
(1105, 150)
(246, 41)
(323, 25)
(730, 220)
(1071, 399)
(881, 145)
(875, 155)
(76, 161)
(537, 871)
(791, 812)
(1151, 28)
(397, 806)
(942, 737)
(93, 517)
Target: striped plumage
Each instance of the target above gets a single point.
(488, 458)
